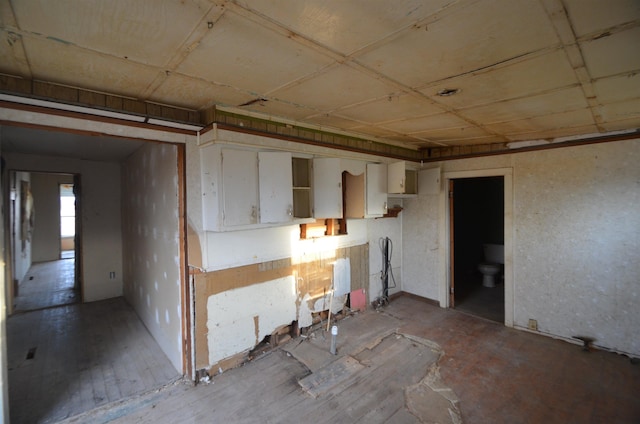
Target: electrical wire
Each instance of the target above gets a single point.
(387, 269)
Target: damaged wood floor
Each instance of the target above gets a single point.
(378, 375)
(412, 362)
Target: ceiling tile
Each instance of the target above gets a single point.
(346, 26)
(621, 111)
(614, 54)
(434, 122)
(240, 53)
(184, 91)
(338, 87)
(614, 89)
(528, 107)
(626, 124)
(454, 134)
(481, 35)
(146, 32)
(332, 121)
(68, 64)
(554, 133)
(571, 119)
(592, 16)
(391, 108)
(275, 108)
(541, 73)
(11, 51)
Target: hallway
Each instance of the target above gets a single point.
(73, 358)
(47, 284)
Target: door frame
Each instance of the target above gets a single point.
(446, 237)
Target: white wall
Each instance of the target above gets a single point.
(152, 244)
(576, 240)
(101, 218)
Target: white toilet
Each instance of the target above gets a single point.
(494, 258)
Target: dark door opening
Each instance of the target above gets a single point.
(477, 236)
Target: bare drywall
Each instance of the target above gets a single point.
(46, 199)
(101, 218)
(575, 237)
(152, 244)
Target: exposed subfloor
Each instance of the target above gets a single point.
(70, 359)
(47, 284)
(387, 370)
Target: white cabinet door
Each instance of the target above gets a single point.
(239, 187)
(327, 188)
(376, 189)
(396, 183)
(276, 187)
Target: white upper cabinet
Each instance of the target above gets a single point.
(376, 189)
(327, 188)
(400, 180)
(276, 187)
(366, 194)
(239, 187)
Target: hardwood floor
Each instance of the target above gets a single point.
(73, 358)
(415, 363)
(47, 284)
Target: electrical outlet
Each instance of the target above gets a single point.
(533, 325)
(112, 275)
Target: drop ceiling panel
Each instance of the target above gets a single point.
(347, 26)
(13, 60)
(620, 111)
(539, 74)
(195, 93)
(592, 16)
(458, 133)
(280, 109)
(544, 104)
(614, 89)
(391, 108)
(625, 124)
(143, 31)
(68, 64)
(240, 53)
(415, 125)
(472, 141)
(550, 134)
(338, 87)
(614, 54)
(571, 119)
(475, 37)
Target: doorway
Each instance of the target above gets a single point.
(477, 229)
(45, 250)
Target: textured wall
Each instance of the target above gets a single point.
(151, 248)
(577, 219)
(576, 240)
